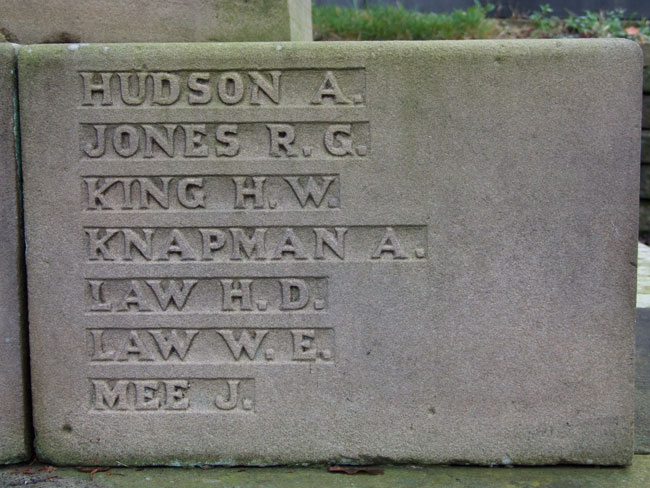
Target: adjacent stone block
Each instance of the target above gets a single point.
(645, 181)
(279, 253)
(14, 431)
(642, 421)
(645, 167)
(645, 146)
(23, 21)
(644, 216)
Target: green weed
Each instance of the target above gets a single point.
(611, 23)
(544, 23)
(396, 23)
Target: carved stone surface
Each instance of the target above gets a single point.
(263, 253)
(57, 21)
(14, 438)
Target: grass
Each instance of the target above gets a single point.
(397, 23)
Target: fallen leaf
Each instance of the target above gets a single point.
(47, 468)
(27, 470)
(241, 470)
(97, 470)
(354, 470)
(206, 466)
(92, 470)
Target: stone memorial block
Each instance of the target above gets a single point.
(277, 253)
(23, 21)
(14, 432)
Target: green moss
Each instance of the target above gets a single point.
(637, 476)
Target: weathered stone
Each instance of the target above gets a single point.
(426, 248)
(14, 437)
(23, 21)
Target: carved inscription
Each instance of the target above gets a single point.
(225, 141)
(204, 192)
(214, 295)
(172, 395)
(311, 88)
(181, 345)
(213, 209)
(254, 244)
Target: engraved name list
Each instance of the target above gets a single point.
(212, 205)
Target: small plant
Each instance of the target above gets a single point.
(379, 22)
(543, 20)
(612, 23)
(594, 24)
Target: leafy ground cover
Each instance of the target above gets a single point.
(397, 23)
